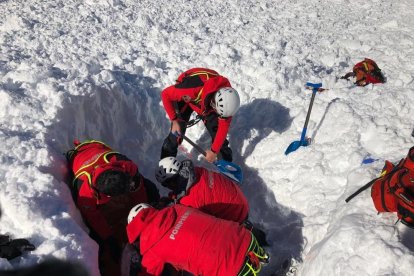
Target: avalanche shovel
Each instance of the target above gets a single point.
(303, 142)
(227, 168)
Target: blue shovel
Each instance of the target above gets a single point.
(303, 142)
(227, 168)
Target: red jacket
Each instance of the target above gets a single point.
(105, 215)
(217, 195)
(195, 97)
(189, 240)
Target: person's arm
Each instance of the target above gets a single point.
(168, 97)
(172, 94)
(223, 129)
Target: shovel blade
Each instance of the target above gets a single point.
(292, 147)
(295, 145)
(230, 170)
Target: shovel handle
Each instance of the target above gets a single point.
(197, 147)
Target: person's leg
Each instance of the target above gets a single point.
(171, 142)
(259, 234)
(211, 123)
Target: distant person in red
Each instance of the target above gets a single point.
(106, 185)
(211, 96)
(208, 191)
(192, 241)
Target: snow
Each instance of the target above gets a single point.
(95, 69)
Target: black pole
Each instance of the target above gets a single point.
(360, 190)
(310, 108)
(197, 147)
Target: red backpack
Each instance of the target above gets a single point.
(393, 191)
(92, 160)
(366, 72)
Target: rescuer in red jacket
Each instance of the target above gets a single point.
(208, 191)
(211, 96)
(106, 185)
(192, 241)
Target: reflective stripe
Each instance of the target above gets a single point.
(104, 154)
(208, 74)
(257, 250)
(88, 175)
(90, 142)
(366, 66)
(198, 99)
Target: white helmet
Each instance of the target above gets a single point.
(167, 168)
(226, 101)
(136, 209)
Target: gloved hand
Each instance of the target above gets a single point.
(11, 249)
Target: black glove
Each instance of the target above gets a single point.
(114, 247)
(11, 249)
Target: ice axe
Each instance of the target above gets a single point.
(226, 168)
(303, 142)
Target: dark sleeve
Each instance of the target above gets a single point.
(153, 193)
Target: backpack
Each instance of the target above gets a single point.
(366, 72)
(102, 168)
(393, 191)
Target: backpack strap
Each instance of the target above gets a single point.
(84, 171)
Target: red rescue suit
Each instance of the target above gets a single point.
(189, 240)
(107, 216)
(195, 87)
(217, 195)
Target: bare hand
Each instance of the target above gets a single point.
(211, 156)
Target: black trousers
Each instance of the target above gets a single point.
(171, 142)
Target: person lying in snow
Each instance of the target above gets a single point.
(211, 96)
(106, 185)
(193, 241)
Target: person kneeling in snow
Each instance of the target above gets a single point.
(197, 187)
(214, 100)
(193, 241)
(105, 187)
(208, 191)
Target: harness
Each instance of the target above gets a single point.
(208, 75)
(255, 256)
(91, 164)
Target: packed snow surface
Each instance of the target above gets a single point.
(95, 69)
